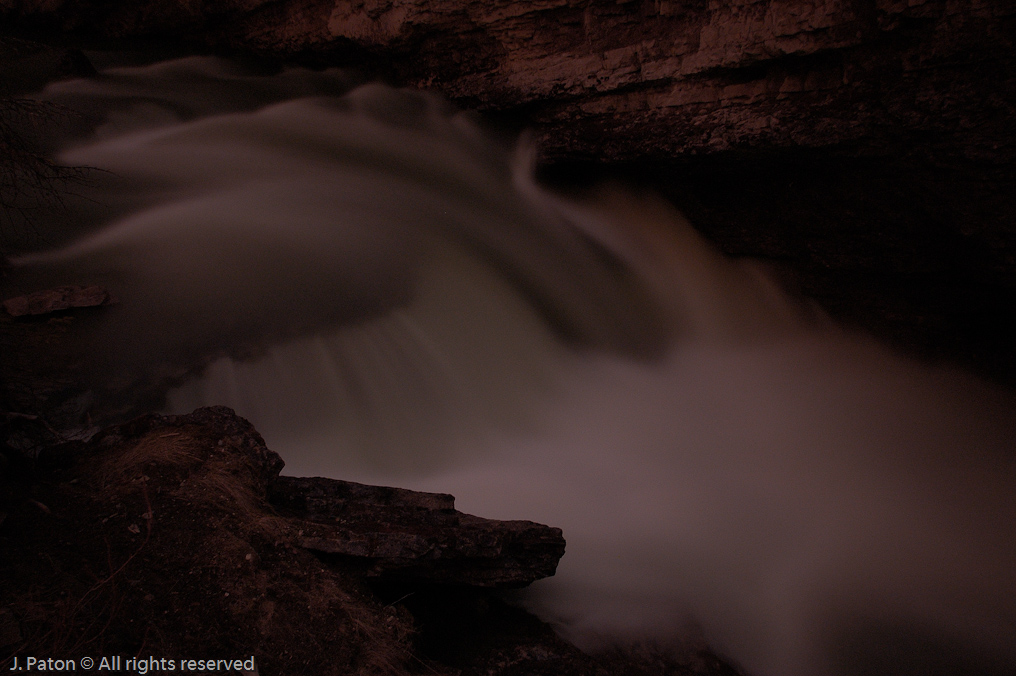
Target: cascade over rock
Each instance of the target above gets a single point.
(866, 146)
(789, 485)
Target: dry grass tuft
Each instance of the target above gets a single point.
(156, 449)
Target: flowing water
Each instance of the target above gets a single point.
(381, 287)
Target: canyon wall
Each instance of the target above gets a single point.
(627, 79)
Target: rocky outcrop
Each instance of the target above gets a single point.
(384, 532)
(55, 300)
(157, 538)
(626, 79)
(412, 536)
(157, 535)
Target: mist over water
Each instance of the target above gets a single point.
(415, 310)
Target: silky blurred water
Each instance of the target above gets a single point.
(381, 287)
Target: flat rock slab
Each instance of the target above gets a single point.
(415, 536)
(55, 300)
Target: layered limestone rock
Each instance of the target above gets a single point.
(409, 536)
(625, 79)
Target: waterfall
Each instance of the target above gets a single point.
(378, 283)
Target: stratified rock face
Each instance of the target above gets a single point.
(409, 535)
(626, 79)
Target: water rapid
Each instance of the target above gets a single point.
(382, 288)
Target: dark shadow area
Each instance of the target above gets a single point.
(479, 632)
(922, 255)
(907, 650)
